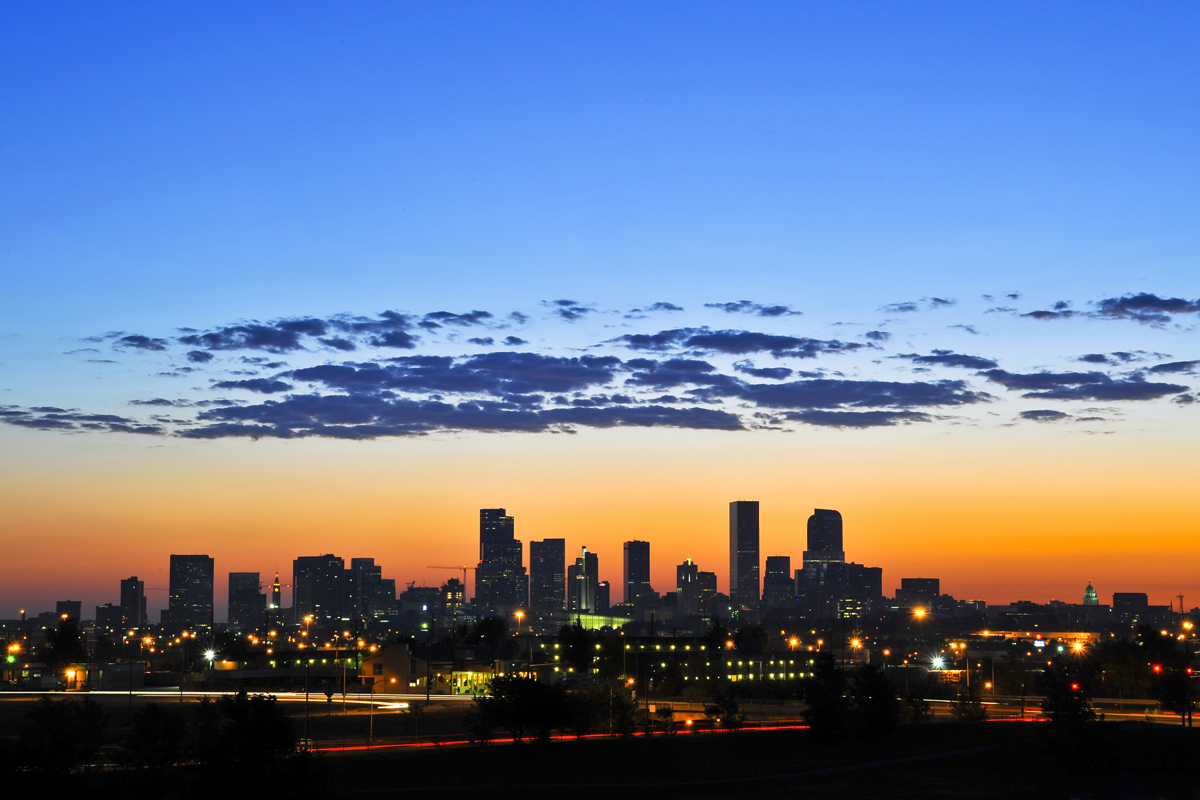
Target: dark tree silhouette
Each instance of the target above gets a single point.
(59, 735)
(876, 708)
(525, 707)
(825, 695)
(1067, 699)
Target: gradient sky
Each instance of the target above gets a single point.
(298, 278)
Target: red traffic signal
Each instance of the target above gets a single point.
(1158, 667)
(1074, 687)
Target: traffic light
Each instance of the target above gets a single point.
(1074, 687)
(1157, 668)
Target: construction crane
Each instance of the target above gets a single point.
(463, 569)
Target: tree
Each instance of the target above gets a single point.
(724, 710)
(825, 695)
(157, 738)
(967, 706)
(64, 644)
(1067, 699)
(750, 640)
(243, 732)
(525, 706)
(578, 646)
(1176, 695)
(59, 735)
(876, 708)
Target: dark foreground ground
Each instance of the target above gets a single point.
(986, 760)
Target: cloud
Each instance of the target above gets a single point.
(374, 416)
(663, 306)
(971, 329)
(878, 336)
(832, 393)
(138, 342)
(1082, 385)
(1044, 415)
(1184, 399)
(1047, 315)
(338, 343)
(569, 310)
(858, 419)
(496, 373)
(398, 339)
(272, 338)
(1119, 357)
(1175, 366)
(773, 373)
(736, 342)
(263, 385)
(757, 309)
(1145, 308)
(58, 419)
(948, 358)
(482, 341)
(199, 356)
(900, 308)
(514, 341)
(462, 320)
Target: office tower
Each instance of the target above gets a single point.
(501, 583)
(69, 609)
(743, 553)
(548, 576)
(583, 578)
(318, 587)
(603, 596)
(687, 589)
(247, 603)
(366, 592)
(824, 538)
(191, 591)
(707, 581)
(449, 608)
(777, 582)
(108, 618)
(133, 603)
(637, 571)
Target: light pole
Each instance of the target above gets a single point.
(307, 622)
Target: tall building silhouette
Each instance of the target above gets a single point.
(191, 591)
(501, 583)
(133, 603)
(318, 587)
(637, 571)
(548, 576)
(778, 584)
(743, 554)
(583, 580)
(687, 589)
(825, 537)
(247, 603)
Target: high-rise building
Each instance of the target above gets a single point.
(548, 576)
(687, 589)
(191, 591)
(583, 578)
(318, 587)
(247, 603)
(707, 581)
(69, 609)
(603, 597)
(637, 571)
(778, 585)
(824, 538)
(501, 583)
(368, 594)
(133, 603)
(743, 554)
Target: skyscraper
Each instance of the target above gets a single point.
(247, 603)
(583, 579)
(743, 554)
(548, 576)
(133, 603)
(778, 584)
(637, 570)
(687, 589)
(318, 587)
(191, 591)
(501, 583)
(825, 537)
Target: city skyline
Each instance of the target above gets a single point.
(335, 283)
